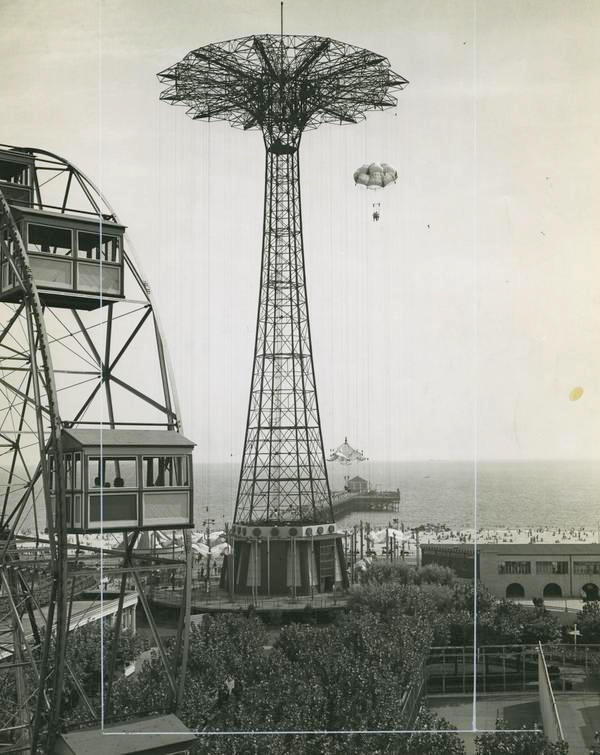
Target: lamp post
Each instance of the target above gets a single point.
(576, 633)
(255, 553)
(206, 523)
(361, 539)
(230, 561)
(354, 551)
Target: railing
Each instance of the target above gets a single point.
(552, 726)
(218, 599)
(509, 668)
(412, 699)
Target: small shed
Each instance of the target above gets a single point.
(159, 735)
(125, 479)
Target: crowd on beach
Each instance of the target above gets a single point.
(406, 539)
(441, 533)
(215, 543)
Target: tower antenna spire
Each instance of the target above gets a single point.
(282, 18)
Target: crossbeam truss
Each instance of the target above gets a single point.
(283, 476)
(281, 85)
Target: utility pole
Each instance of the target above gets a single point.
(206, 523)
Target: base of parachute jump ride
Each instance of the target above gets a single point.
(284, 560)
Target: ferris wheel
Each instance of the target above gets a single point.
(93, 463)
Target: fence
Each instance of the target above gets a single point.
(219, 600)
(509, 668)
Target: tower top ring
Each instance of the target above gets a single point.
(281, 85)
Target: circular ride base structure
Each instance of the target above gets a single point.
(91, 450)
(283, 537)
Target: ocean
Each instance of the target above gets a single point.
(494, 494)
(460, 495)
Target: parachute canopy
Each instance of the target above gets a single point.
(375, 175)
(345, 454)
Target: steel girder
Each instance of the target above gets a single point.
(283, 476)
(281, 84)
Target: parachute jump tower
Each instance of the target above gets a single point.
(283, 536)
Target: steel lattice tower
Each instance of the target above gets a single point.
(284, 532)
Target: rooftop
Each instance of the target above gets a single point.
(580, 549)
(150, 735)
(111, 438)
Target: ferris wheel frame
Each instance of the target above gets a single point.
(61, 354)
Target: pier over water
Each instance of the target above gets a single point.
(344, 502)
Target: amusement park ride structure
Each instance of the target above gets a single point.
(283, 538)
(90, 443)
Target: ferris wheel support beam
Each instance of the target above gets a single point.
(155, 634)
(164, 376)
(18, 643)
(10, 323)
(14, 458)
(183, 637)
(128, 546)
(109, 401)
(56, 523)
(130, 338)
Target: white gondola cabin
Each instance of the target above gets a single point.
(76, 259)
(16, 177)
(126, 480)
(75, 262)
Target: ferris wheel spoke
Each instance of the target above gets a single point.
(86, 404)
(11, 400)
(132, 335)
(23, 425)
(96, 377)
(87, 338)
(27, 399)
(140, 395)
(72, 336)
(6, 329)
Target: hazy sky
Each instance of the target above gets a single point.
(453, 328)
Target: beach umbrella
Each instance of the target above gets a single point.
(219, 549)
(216, 537)
(201, 548)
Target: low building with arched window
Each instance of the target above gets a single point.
(524, 570)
